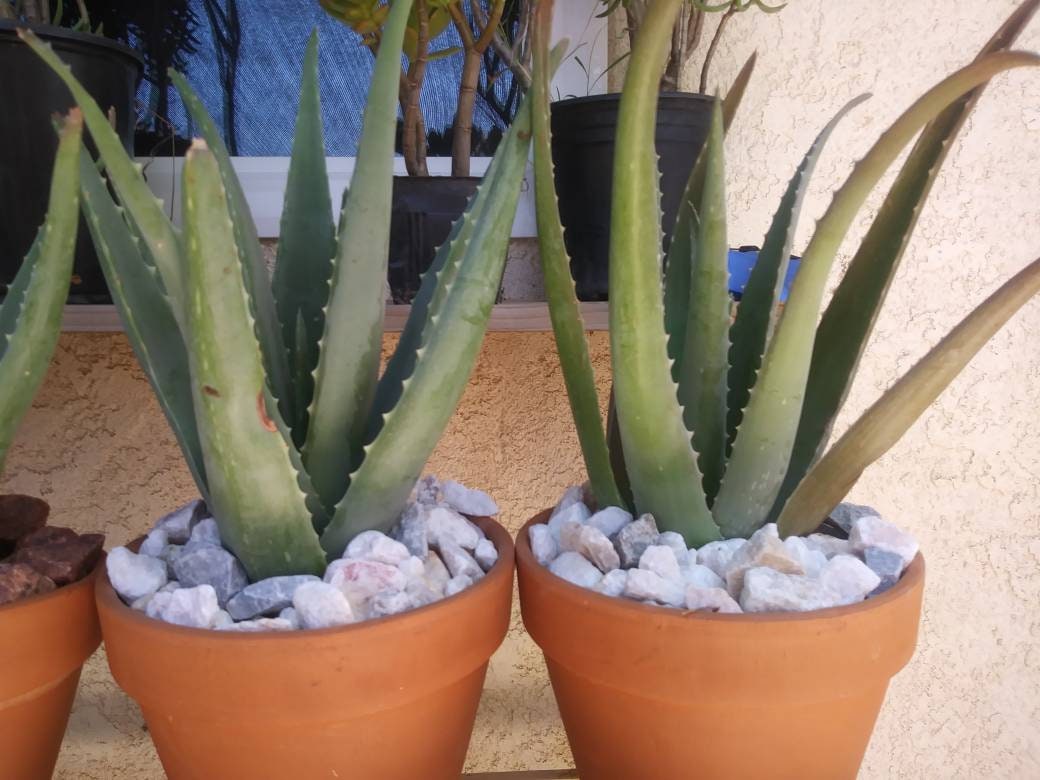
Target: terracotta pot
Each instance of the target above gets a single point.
(389, 698)
(44, 641)
(649, 691)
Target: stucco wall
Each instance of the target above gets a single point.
(965, 478)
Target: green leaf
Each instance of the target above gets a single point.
(662, 464)
(451, 339)
(306, 243)
(881, 426)
(763, 447)
(255, 491)
(348, 365)
(146, 314)
(31, 317)
(759, 304)
(705, 362)
(849, 318)
(254, 267)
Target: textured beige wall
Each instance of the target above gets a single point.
(964, 479)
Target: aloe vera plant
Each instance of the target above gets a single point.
(30, 315)
(272, 386)
(723, 426)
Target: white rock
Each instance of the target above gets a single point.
(661, 561)
(376, 546)
(460, 562)
(570, 536)
(573, 567)
(613, 583)
(886, 565)
(850, 578)
(610, 520)
(812, 560)
(435, 573)
(428, 490)
(171, 585)
(413, 568)
(457, 585)
(766, 590)
(634, 538)
(195, 607)
(156, 604)
(700, 599)
(829, 545)
(486, 554)
(360, 581)
(155, 543)
(321, 605)
(872, 531)
(598, 549)
(764, 548)
(468, 501)
(289, 614)
(260, 624)
(543, 545)
(445, 525)
(701, 577)
(141, 604)
(411, 530)
(677, 544)
(267, 596)
(223, 621)
(717, 555)
(389, 603)
(577, 513)
(178, 523)
(133, 575)
(645, 585)
(419, 593)
(846, 514)
(575, 494)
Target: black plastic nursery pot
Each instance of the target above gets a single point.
(424, 209)
(583, 132)
(30, 94)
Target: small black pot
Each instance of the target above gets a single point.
(424, 209)
(583, 152)
(30, 93)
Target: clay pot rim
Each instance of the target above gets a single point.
(912, 575)
(107, 598)
(32, 601)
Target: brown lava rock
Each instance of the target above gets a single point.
(19, 515)
(19, 580)
(60, 553)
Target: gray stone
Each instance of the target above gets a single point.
(543, 544)
(700, 576)
(872, 531)
(677, 544)
(468, 501)
(829, 545)
(460, 562)
(155, 543)
(661, 560)
(321, 605)
(435, 573)
(850, 578)
(445, 525)
(887, 565)
(194, 607)
(411, 530)
(767, 590)
(717, 555)
(610, 520)
(699, 599)
(376, 546)
(205, 564)
(645, 585)
(764, 548)
(178, 523)
(205, 532)
(574, 513)
(133, 575)
(428, 490)
(613, 583)
(632, 540)
(361, 580)
(260, 624)
(846, 514)
(486, 554)
(266, 597)
(573, 567)
(391, 602)
(457, 585)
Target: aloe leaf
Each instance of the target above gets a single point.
(756, 315)
(255, 492)
(684, 235)
(146, 314)
(32, 315)
(306, 242)
(451, 339)
(849, 318)
(564, 311)
(661, 463)
(143, 208)
(884, 423)
(763, 447)
(254, 267)
(348, 364)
